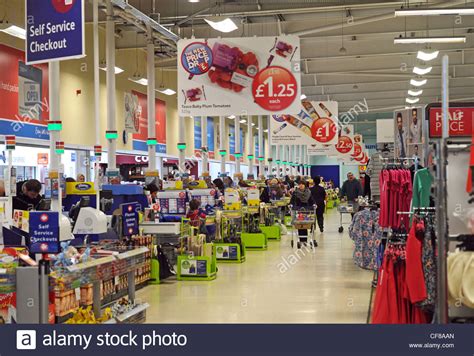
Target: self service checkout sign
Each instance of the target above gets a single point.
(130, 218)
(54, 30)
(44, 232)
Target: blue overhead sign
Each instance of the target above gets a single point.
(54, 30)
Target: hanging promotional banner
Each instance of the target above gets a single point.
(408, 133)
(345, 143)
(133, 113)
(315, 125)
(229, 76)
(198, 137)
(141, 120)
(461, 118)
(385, 132)
(358, 147)
(54, 30)
(25, 96)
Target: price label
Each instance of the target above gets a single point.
(274, 88)
(344, 145)
(357, 150)
(323, 130)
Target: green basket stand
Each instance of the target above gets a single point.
(155, 272)
(229, 252)
(196, 268)
(254, 241)
(271, 232)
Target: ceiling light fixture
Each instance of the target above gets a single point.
(433, 12)
(137, 78)
(415, 92)
(103, 66)
(343, 49)
(231, 117)
(422, 71)
(302, 97)
(418, 83)
(166, 91)
(243, 121)
(412, 100)
(427, 56)
(193, 1)
(418, 40)
(13, 30)
(225, 25)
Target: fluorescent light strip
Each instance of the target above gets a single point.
(427, 56)
(231, 117)
(418, 40)
(415, 92)
(412, 100)
(422, 71)
(139, 80)
(418, 83)
(118, 70)
(433, 12)
(302, 97)
(166, 91)
(226, 25)
(243, 121)
(15, 31)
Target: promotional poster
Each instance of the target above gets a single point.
(315, 125)
(408, 133)
(229, 76)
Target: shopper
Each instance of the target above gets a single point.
(351, 190)
(81, 178)
(153, 189)
(219, 184)
(195, 213)
(301, 199)
(318, 194)
(28, 195)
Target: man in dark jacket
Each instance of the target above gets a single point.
(318, 195)
(28, 195)
(351, 189)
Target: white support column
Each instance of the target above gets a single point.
(54, 135)
(152, 172)
(204, 148)
(261, 147)
(307, 162)
(8, 186)
(278, 159)
(237, 153)
(111, 100)
(251, 147)
(182, 146)
(222, 149)
(95, 16)
(270, 147)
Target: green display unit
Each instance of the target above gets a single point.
(229, 252)
(330, 204)
(155, 272)
(287, 221)
(271, 232)
(196, 268)
(254, 241)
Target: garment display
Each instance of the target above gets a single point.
(366, 233)
(374, 168)
(422, 188)
(395, 196)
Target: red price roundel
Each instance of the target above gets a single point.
(274, 88)
(323, 130)
(344, 145)
(357, 150)
(63, 6)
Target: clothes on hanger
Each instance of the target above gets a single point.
(395, 195)
(374, 167)
(366, 233)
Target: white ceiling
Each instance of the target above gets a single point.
(373, 69)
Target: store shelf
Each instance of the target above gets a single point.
(138, 309)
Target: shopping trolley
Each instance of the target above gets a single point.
(344, 208)
(303, 219)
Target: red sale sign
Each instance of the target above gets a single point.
(460, 121)
(344, 145)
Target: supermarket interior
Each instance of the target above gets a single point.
(236, 161)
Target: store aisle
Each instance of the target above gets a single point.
(320, 287)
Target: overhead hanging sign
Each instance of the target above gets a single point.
(54, 30)
(315, 125)
(229, 76)
(345, 142)
(460, 120)
(408, 133)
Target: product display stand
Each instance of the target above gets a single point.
(252, 240)
(196, 268)
(230, 251)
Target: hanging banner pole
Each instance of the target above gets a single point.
(237, 153)
(222, 149)
(204, 148)
(250, 150)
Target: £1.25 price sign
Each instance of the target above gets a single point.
(344, 144)
(274, 88)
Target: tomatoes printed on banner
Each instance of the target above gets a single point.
(344, 144)
(274, 88)
(323, 130)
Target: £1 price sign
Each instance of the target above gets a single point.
(274, 88)
(344, 144)
(323, 130)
